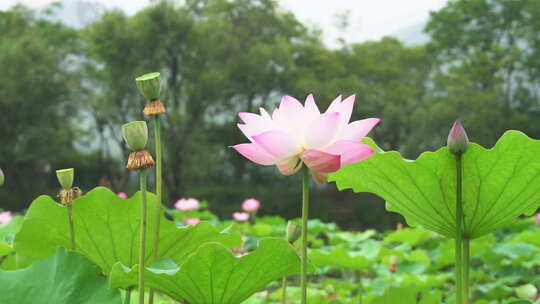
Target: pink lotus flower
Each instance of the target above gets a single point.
(241, 216)
(537, 218)
(192, 221)
(5, 217)
(187, 204)
(122, 195)
(251, 205)
(297, 134)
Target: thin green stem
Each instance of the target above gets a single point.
(360, 288)
(142, 244)
(305, 214)
(459, 218)
(71, 225)
(466, 262)
(284, 290)
(159, 183)
(127, 298)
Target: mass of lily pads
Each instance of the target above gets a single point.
(470, 234)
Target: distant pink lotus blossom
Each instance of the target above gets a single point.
(192, 221)
(251, 205)
(537, 218)
(241, 216)
(5, 217)
(122, 195)
(187, 204)
(299, 134)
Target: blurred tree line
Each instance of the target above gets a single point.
(66, 92)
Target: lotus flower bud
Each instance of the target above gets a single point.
(135, 134)
(457, 139)
(527, 292)
(2, 178)
(293, 232)
(251, 205)
(65, 177)
(149, 85)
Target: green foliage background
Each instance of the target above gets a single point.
(66, 92)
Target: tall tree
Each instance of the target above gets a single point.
(486, 52)
(37, 105)
(217, 57)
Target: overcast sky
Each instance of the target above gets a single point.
(369, 19)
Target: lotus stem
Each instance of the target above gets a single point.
(466, 263)
(71, 226)
(305, 214)
(142, 244)
(459, 240)
(127, 298)
(159, 183)
(358, 280)
(284, 290)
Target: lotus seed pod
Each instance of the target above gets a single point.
(135, 134)
(2, 178)
(457, 139)
(149, 85)
(65, 177)
(527, 292)
(293, 232)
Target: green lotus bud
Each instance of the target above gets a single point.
(65, 177)
(135, 134)
(457, 139)
(149, 85)
(527, 292)
(293, 232)
(2, 178)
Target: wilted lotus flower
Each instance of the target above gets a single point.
(192, 221)
(122, 195)
(241, 216)
(5, 217)
(297, 134)
(251, 205)
(187, 204)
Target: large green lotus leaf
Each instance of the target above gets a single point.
(65, 278)
(8, 231)
(498, 184)
(5, 249)
(339, 257)
(107, 231)
(213, 275)
(409, 236)
(401, 295)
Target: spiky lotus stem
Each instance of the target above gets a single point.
(159, 188)
(142, 243)
(305, 215)
(140, 160)
(67, 196)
